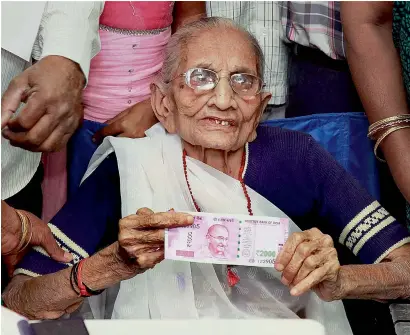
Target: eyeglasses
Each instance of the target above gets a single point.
(243, 84)
(220, 239)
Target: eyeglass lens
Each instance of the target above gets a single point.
(241, 83)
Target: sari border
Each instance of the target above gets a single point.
(21, 271)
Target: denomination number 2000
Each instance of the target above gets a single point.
(265, 253)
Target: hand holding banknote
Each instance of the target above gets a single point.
(141, 236)
(307, 261)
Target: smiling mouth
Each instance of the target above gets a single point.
(217, 121)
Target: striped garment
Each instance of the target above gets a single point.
(314, 24)
(18, 166)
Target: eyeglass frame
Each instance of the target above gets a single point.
(189, 71)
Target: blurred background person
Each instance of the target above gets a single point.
(65, 38)
(133, 37)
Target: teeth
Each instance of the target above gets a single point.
(223, 123)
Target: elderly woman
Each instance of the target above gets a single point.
(208, 154)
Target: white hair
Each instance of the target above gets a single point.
(177, 45)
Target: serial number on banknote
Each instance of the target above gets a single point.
(266, 261)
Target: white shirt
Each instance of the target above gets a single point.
(21, 19)
(68, 29)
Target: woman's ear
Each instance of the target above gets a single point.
(265, 97)
(162, 107)
(265, 100)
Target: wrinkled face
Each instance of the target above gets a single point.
(218, 240)
(219, 118)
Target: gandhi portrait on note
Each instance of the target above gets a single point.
(217, 241)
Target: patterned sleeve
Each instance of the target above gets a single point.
(360, 222)
(86, 223)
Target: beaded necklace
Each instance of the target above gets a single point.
(232, 277)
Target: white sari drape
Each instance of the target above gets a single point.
(151, 175)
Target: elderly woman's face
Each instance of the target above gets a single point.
(218, 118)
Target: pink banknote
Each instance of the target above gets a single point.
(228, 239)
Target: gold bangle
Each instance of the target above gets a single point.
(24, 230)
(371, 134)
(24, 241)
(383, 136)
(389, 119)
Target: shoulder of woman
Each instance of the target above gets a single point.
(280, 140)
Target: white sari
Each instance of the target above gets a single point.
(151, 175)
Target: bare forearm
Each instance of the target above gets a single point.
(373, 58)
(45, 297)
(376, 71)
(384, 281)
(51, 296)
(377, 74)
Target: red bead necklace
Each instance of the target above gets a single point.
(245, 191)
(232, 277)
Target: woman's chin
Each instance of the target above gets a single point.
(218, 143)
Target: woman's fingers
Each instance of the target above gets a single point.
(147, 227)
(310, 281)
(130, 237)
(142, 235)
(136, 250)
(303, 254)
(288, 250)
(145, 258)
(156, 221)
(150, 259)
(313, 262)
(326, 273)
(144, 211)
(303, 251)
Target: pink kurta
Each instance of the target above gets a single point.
(133, 37)
(131, 55)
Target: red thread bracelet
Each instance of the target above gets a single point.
(80, 284)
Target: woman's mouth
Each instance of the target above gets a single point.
(221, 122)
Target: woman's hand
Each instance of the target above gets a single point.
(307, 261)
(11, 235)
(132, 122)
(141, 236)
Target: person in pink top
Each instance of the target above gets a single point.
(133, 36)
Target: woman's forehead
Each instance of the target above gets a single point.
(227, 49)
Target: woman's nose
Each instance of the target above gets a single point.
(224, 94)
